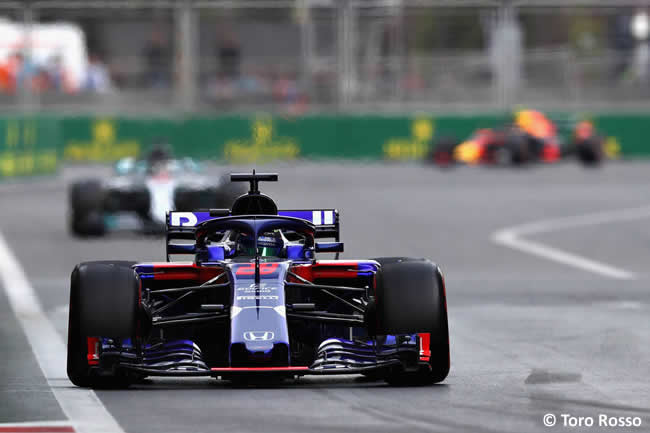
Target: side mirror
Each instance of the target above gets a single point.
(329, 247)
(181, 249)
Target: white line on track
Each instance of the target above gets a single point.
(513, 237)
(82, 406)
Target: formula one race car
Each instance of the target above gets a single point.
(140, 194)
(507, 146)
(256, 303)
(532, 137)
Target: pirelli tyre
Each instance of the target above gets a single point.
(590, 151)
(410, 298)
(442, 154)
(87, 208)
(103, 303)
(515, 150)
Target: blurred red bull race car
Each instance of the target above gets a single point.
(531, 137)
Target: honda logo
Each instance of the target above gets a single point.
(258, 335)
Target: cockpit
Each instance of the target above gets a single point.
(277, 243)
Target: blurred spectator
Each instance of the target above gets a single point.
(40, 81)
(229, 55)
(26, 70)
(157, 56)
(55, 76)
(5, 78)
(252, 83)
(8, 72)
(221, 89)
(97, 77)
(285, 89)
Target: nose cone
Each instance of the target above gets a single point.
(259, 341)
(468, 152)
(258, 328)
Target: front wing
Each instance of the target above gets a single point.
(336, 356)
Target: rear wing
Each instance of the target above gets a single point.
(182, 225)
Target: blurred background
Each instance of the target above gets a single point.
(97, 77)
(302, 56)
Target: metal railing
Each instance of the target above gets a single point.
(297, 56)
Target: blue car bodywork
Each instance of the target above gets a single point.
(225, 313)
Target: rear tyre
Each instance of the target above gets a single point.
(103, 303)
(442, 154)
(410, 299)
(87, 208)
(590, 151)
(517, 147)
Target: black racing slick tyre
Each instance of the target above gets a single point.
(104, 298)
(410, 298)
(87, 208)
(516, 146)
(590, 151)
(442, 154)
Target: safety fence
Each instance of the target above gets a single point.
(315, 56)
(37, 144)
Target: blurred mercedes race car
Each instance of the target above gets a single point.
(141, 192)
(532, 137)
(255, 302)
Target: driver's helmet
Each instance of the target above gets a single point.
(268, 244)
(158, 160)
(160, 152)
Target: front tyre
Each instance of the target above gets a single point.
(103, 302)
(442, 154)
(411, 299)
(590, 151)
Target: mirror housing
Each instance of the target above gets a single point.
(181, 249)
(328, 247)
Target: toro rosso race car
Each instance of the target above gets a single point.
(256, 302)
(532, 137)
(141, 192)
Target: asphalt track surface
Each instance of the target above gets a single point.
(529, 336)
